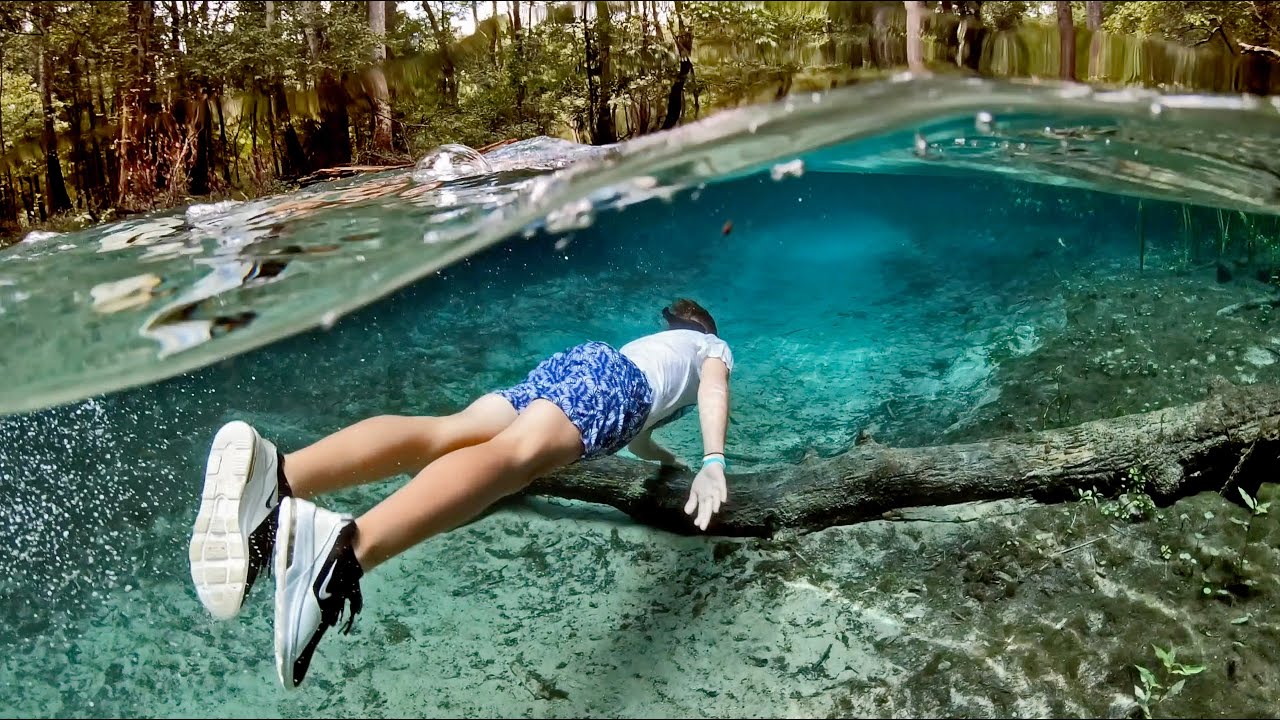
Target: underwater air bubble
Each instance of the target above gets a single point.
(123, 294)
(450, 162)
(922, 145)
(36, 236)
(203, 211)
(576, 215)
(795, 168)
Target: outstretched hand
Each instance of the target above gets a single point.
(708, 492)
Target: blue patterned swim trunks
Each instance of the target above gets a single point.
(602, 392)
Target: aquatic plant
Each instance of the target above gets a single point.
(1153, 690)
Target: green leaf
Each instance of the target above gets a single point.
(1240, 522)
(1148, 678)
(1247, 500)
(1177, 688)
(1139, 693)
(1188, 669)
(1166, 656)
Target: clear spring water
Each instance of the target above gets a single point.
(873, 255)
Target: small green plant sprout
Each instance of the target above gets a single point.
(1151, 690)
(1254, 506)
(1239, 579)
(1166, 552)
(1133, 503)
(1212, 588)
(1089, 497)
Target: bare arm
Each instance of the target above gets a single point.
(709, 489)
(644, 447)
(713, 406)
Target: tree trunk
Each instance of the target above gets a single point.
(915, 38)
(444, 38)
(589, 50)
(294, 161)
(222, 135)
(675, 98)
(9, 220)
(104, 154)
(202, 169)
(495, 37)
(56, 199)
(135, 187)
(1231, 437)
(379, 95)
(1093, 11)
(310, 14)
(645, 55)
(175, 41)
(519, 71)
(37, 207)
(85, 154)
(330, 145)
(393, 22)
(600, 62)
(1067, 41)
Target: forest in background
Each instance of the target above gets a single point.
(113, 108)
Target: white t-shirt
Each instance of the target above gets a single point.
(672, 362)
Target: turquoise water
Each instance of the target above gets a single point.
(881, 282)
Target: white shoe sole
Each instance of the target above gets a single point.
(280, 557)
(219, 551)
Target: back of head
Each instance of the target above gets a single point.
(685, 314)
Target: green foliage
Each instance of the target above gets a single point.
(1230, 575)
(21, 106)
(1133, 503)
(1192, 21)
(1152, 690)
(1001, 15)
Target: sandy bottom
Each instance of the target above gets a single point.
(556, 609)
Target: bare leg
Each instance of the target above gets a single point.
(460, 485)
(380, 447)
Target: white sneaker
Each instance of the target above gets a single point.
(235, 528)
(316, 573)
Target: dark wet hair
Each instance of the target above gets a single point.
(685, 314)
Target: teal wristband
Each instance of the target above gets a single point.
(708, 460)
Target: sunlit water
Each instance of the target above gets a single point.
(873, 256)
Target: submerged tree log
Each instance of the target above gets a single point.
(1233, 436)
